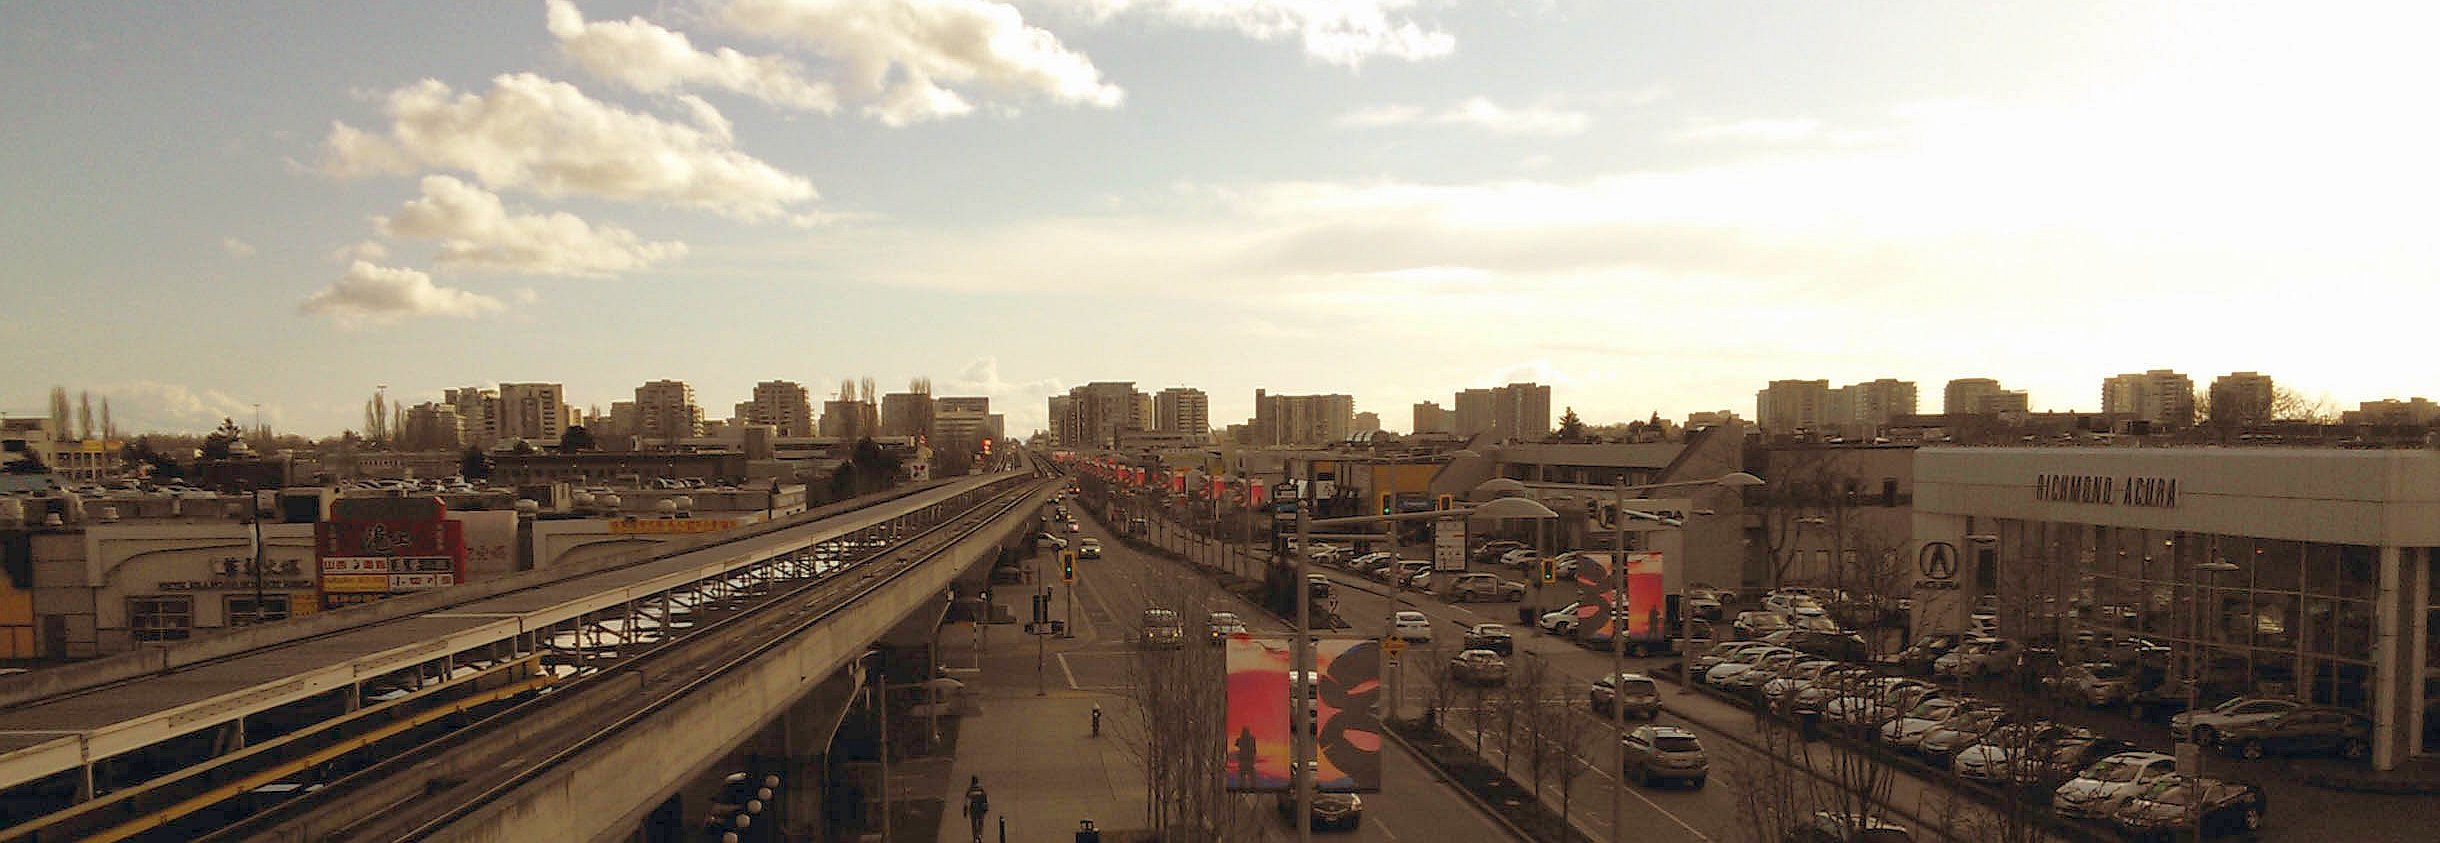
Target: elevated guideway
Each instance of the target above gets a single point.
(117, 739)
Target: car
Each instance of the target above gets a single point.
(1221, 625)
(1875, 701)
(1560, 622)
(2102, 787)
(1491, 552)
(2182, 807)
(1762, 670)
(1479, 667)
(1840, 646)
(1906, 731)
(1979, 657)
(1720, 652)
(1794, 605)
(1965, 728)
(1411, 627)
(1998, 756)
(1411, 573)
(1321, 586)
(1623, 694)
(1838, 827)
(1793, 679)
(1521, 558)
(2310, 730)
(1074, 527)
(1368, 561)
(1162, 630)
(2094, 684)
(1342, 811)
(1055, 542)
(2206, 725)
(1757, 624)
(1808, 701)
(1744, 662)
(1653, 754)
(2071, 754)
(1491, 636)
(1485, 587)
(1703, 603)
(1917, 658)
(1816, 623)
(1089, 548)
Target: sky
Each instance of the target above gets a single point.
(1653, 207)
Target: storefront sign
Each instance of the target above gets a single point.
(1936, 566)
(231, 585)
(669, 526)
(2160, 492)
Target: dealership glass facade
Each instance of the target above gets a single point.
(2292, 619)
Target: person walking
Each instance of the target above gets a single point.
(978, 804)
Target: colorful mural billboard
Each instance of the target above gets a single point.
(1347, 726)
(1646, 602)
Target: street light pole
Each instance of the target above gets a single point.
(1618, 655)
(1301, 653)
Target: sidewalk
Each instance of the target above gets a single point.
(1037, 760)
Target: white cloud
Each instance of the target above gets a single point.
(236, 248)
(1340, 32)
(1477, 112)
(147, 406)
(648, 58)
(1757, 130)
(1025, 403)
(380, 295)
(547, 137)
(361, 250)
(476, 229)
(900, 58)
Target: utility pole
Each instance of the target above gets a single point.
(1618, 655)
(1301, 653)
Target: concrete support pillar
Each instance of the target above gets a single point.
(806, 732)
(2392, 703)
(2418, 643)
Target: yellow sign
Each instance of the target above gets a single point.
(355, 582)
(669, 526)
(1393, 646)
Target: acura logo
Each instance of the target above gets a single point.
(1937, 561)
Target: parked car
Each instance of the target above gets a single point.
(1479, 667)
(2181, 807)
(1662, 753)
(1343, 811)
(1485, 587)
(1757, 624)
(2207, 725)
(1522, 558)
(1906, 731)
(2101, 788)
(1635, 693)
(2067, 757)
(1369, 561)
(1491, 636)
(1743, 663)
(1703, 603)
(1807, 703)
(1560, 622)
(1917, 658)
(1840, 646)
(2311, 730)
(1411, 627)
(1963, 729)
(1491, 552)
(1412, 573)
(1998, 755)
(1876, 701)
(1221, 625)
(1088, 548)
(2095, 684)
(1979, 657)
(1750, 680)
(1835, 827)
(1793, 679)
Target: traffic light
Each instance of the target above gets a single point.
(1447, 502)
(1550, 570)
(1386, 498)
(1067, 566)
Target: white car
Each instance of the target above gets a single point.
(1089, 548)
(1908, 729)
(1560, 622)
(1979, 657)
(1411, 627)
(1740, 665)
(2101, 789)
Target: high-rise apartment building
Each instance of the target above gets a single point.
(2159, 396)
(784, 405)
(1303, 420)
(1098, 411)
(1867, 407)
(666, 411)
(962, 419)
(1982, 397)
(1475, 408)
(1521, 412)
(907, 414)
(2416, 411)
(433, 426)
(1430, 418)
(1787, 406)
(1366, 423)
(1062, 422)
(534, 412)
(478, 414)
(1181, 409)
(2242, 398)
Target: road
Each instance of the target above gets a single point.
(1114, 590)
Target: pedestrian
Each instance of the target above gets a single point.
(978, 804)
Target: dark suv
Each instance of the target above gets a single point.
(2305, 731)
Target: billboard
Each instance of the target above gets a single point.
(1646, 599)
(1347, 725)
(378, 547)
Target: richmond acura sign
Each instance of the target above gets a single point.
(2159, 492)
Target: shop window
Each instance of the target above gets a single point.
(243, 610)
(2276, 565)
(160, 618)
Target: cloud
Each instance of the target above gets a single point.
(644, 57)
(148, 406)
(1477, 112)
(236, 248)
(476, 230)
(1024, 403)
(1338, 32)
(380, 295)
(361, 250)
(900, 58)
(543, 136)
(1758, 130)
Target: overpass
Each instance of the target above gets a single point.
(180, 741)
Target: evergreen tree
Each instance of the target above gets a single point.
(1571, 428)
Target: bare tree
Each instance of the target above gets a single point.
(1563, 730)
(1179, 733)
(1528, 706)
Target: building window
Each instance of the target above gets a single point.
(245, 611)
(160, 618)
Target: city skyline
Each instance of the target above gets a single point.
(1648, 208)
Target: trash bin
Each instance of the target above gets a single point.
(1525, 616)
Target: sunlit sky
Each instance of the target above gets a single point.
(1650, 206)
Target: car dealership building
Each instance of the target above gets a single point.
(2286, 571)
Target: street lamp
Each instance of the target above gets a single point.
(2190, 753)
